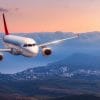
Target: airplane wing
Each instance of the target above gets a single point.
(57, 41)
(5, 50)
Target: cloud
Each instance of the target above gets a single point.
(8, 10)
(3, 10)
(16, 9)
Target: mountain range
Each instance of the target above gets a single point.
(72, 71)
(70, 75)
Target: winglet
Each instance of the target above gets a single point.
(5, 25)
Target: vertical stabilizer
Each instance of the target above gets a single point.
(5, 25)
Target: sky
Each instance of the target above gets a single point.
(51, 15)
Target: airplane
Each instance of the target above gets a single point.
(28, 47)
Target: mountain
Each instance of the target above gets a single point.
(69, 78)
(77, 63)
(78, 67)
(78, 97)
(71, 72)
(15, 97)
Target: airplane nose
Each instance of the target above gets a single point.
(33, 51)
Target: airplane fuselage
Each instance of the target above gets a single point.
(21, 45)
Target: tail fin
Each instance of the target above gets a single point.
(5, 25)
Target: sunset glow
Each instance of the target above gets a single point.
(51, 15)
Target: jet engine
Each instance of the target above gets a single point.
(1, 57)
(46, 51)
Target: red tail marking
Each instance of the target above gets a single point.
(5, 25)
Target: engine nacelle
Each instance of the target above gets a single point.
(1, 57)
(46, 51)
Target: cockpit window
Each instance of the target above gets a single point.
(25, 45)
(28, 45)
(33, 44)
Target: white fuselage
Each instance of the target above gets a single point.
(21, 45)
